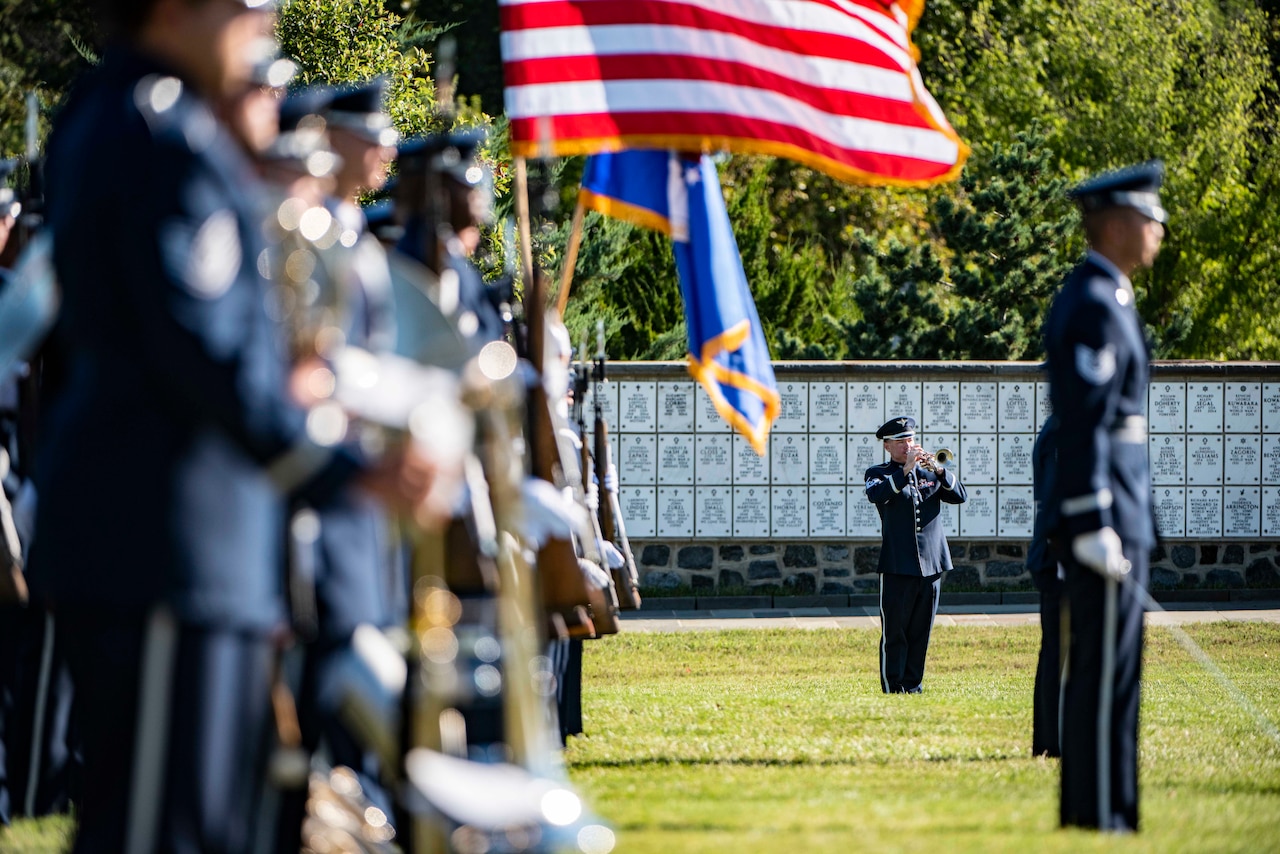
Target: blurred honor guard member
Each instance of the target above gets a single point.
(1098, 368)
(913, 552)
(173, 446)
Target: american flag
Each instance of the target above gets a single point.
(829, 83)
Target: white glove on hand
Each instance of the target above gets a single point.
(547, 513)
(613, 558)
(1101, 551)
(611, 478)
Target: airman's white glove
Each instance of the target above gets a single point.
(1101, 551)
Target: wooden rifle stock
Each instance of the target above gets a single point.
(625, 579)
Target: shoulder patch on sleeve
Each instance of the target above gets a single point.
(872, 482)
(1096, 366)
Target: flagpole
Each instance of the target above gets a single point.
(571, 257)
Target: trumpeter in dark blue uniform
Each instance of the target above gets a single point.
(1098, 368)
(1046, 573)
(176, 440)
(913, 552)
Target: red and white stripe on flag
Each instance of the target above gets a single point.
(829, 83)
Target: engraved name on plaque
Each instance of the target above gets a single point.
(1169, 504)
(748, 466)
(1168, 456)
(1271, 460)
(863, 453)
(1242, 407)
(1241, 511)
(637, 459)
(1204, 407)
(827, 407)
(866, 407)
(751, 511)
(978, 408)
(789, 459)
(977, 460)
(675, 511)
(1167, 407)
(637, 406)
(1015, 458)
(608, 393)
(675, 407)
(794, 414)
(1271, 407)
(1242, 459)
(1044, 408)
(1204, 511)
(1204, 460)
(826, 458)
(1017, 511)
(713, 511)
(713, 459)
(950, 516)
(790, 511)
(706, 418)
(862, 519)
(978, 514)
(826, 511)
(1017, 402)
(901, 399)
(941, 407)
(1271, 511)
(675, 459)
(639, 510)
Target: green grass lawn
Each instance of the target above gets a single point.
(781, 741)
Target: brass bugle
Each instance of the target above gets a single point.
(936, 461)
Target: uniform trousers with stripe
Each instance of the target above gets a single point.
(1049, 667)
(908, 605)
(176, 723)
(1100, 699)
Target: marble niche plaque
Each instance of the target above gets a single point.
(827, 407)
(1271, 460)
(863, 452)
(826, 458)
(1167, 407)
(637, 459)
(713, 459)
(751, 511)
(827, 511)
(941, 407)
(977, 458)
(900, 399)
(1204, 511)
(639, 510)
(978, 513)
(950, 516)
(978, 407)
(1169, 503)
(1271, 511)
(1015, 459)
(1271, 407)
(1242, 407)
(1204, 407)
(788, 459)
(1204, 460)
(705, 417)
(1017, 511)
(675, 511)
(1017, 407)
(1241, 511)
(637, 406)
(790, 510)
(1242, 459)
(863, 520)
(607, 392)
(675, 459)
(866, 407)
(675, 407)
(1044, 408)
(748, 466)
(794, 415)
(1168, 458)
(713, 511)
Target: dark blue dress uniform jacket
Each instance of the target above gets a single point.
(1098, 371)
(174, 443)
(913, 540)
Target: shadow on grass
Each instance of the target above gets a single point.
(749, 762)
